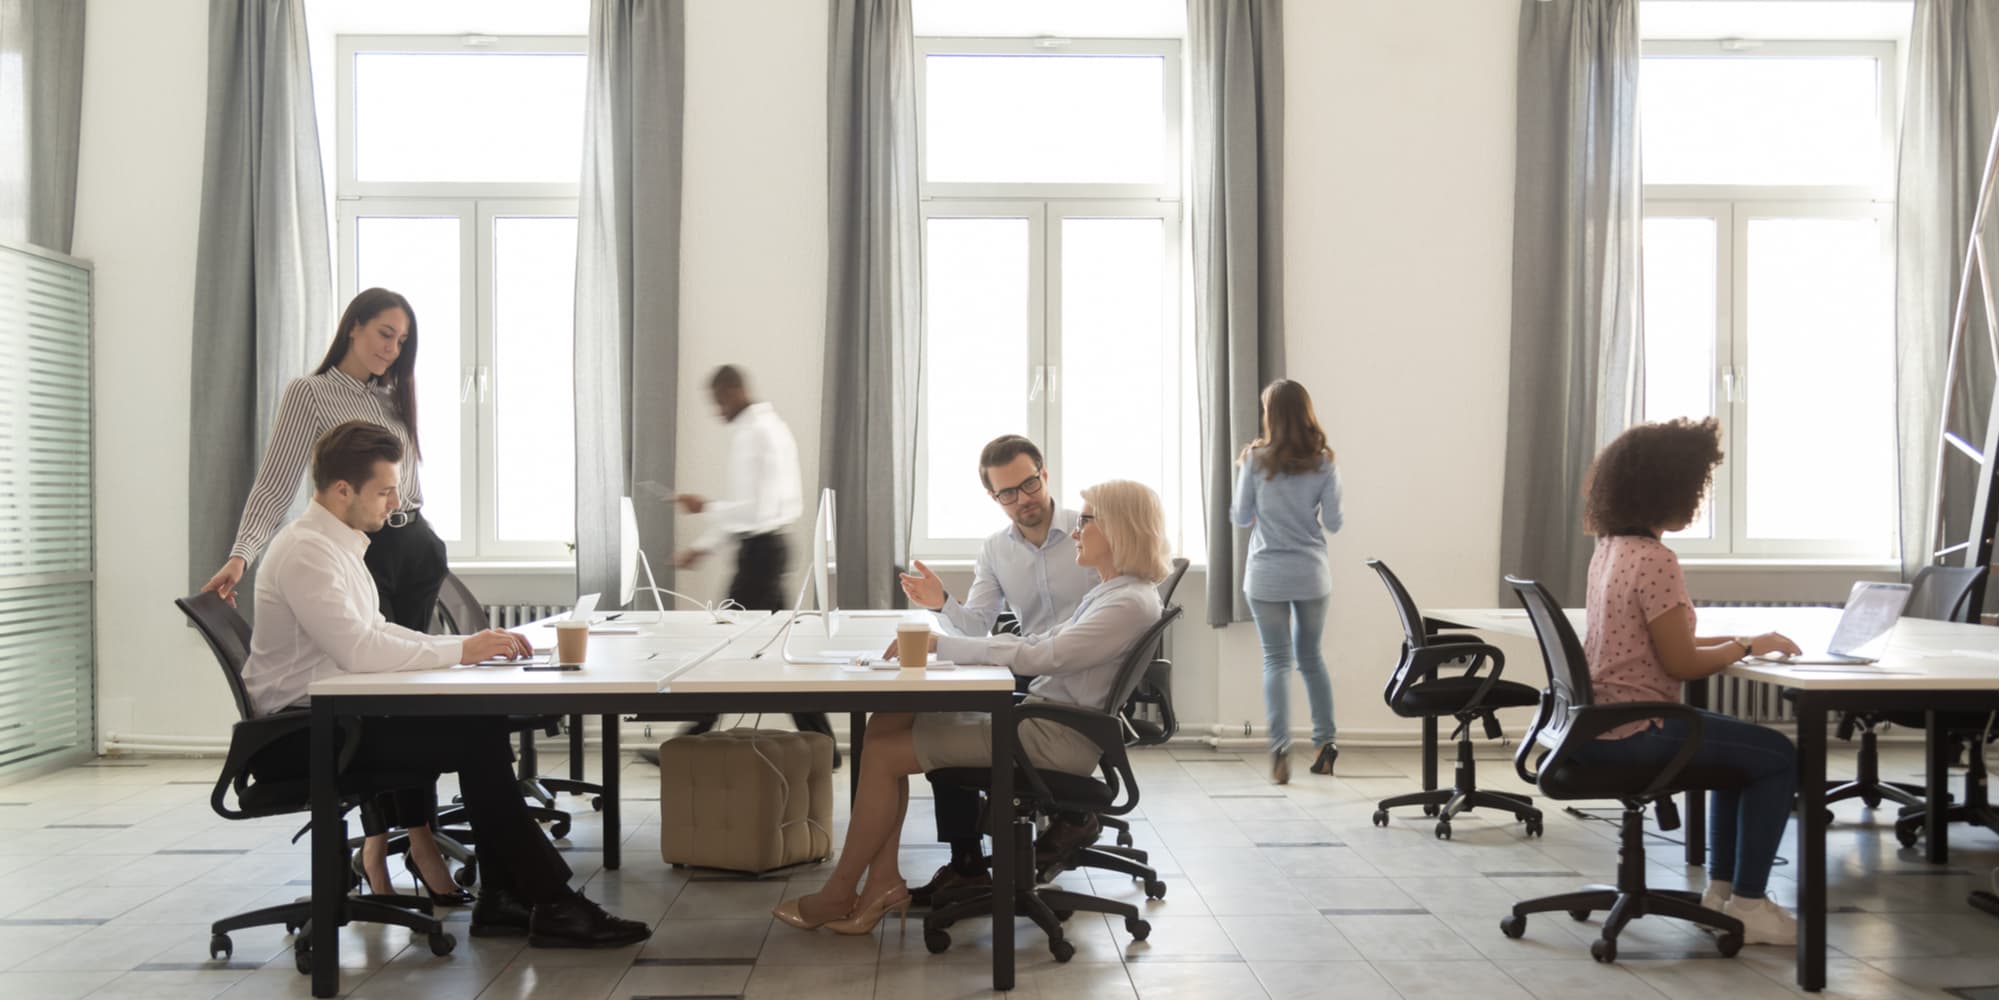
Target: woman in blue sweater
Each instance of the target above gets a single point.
(1287, 491)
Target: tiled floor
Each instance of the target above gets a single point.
(110, 872)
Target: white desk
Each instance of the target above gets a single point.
(1922, 665)
(676, 665)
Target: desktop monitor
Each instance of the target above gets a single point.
(632, 559)
(824, 560)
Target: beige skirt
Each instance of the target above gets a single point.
(965, 739)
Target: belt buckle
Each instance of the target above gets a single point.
(401, 518)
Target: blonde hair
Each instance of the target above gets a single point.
(1129, 515)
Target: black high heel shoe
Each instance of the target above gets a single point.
(456, 897)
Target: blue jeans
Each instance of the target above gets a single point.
(1746, 822)
(1283, 626)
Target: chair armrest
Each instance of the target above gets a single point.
(1103, 730)
(1588, 722)
(251, 737)
(1424, 661)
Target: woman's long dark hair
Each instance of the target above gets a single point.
(1293, 442)
(401, 378)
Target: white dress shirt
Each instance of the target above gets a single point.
(1076, 661)
(1042, 585)
(763, 479)
(318, 615)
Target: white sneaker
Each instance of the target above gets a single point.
(1764, 922)
(1717, 893)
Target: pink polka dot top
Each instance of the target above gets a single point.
(1634, 579)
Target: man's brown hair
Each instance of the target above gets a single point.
(348, 453)
(1004, 449)
(1651, 475)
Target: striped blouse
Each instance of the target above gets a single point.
(311, 406)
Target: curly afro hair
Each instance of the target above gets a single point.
(1651, 475)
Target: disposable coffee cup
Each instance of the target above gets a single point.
(913, 645)
(571, 636)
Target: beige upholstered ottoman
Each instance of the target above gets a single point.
(747, 800)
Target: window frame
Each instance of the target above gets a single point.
(476, 205)
(1732, 207)
(1045, 206)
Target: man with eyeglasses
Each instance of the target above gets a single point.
(1028, 568)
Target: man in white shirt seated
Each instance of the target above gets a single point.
(318, 616)
(1029, 567)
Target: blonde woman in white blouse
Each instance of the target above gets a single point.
(369, 373)
(1122, 535)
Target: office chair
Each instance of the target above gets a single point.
(1973, 730)
(1415, 691)
(463, 615)
(1114, 792)
(1155, 691)
(1568, 719)
(1939, 593)
(228, 637)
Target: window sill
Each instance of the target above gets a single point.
(512, 567)
(1742, 564)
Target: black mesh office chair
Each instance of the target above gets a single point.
(228, 636)
(1113, 792)
(1416, 691)
(1569, 718)
(1939, 593)
(1149, 713)
(462, 614)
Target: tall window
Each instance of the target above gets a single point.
(1769, 285)
(457, 185)
(1051, 180)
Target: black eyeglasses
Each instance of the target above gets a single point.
(1083, 519)
(1032, 486)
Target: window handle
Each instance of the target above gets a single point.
(1035, 387)
(1055, 381)
(1729, 389)
(484, 392)
(465, 387)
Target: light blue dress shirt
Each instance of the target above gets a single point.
(1041, 585)
(1286, 515)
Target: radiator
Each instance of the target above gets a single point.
(516, 615)
(1752, 701)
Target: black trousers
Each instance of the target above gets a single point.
(409, 567)
(957, 807)
(514, 854)
(759, 585)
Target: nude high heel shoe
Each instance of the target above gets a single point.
(788, 911)
(870, 912)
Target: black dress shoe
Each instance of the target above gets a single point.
(499, 913)
(946, 880)
(1065, 837)
(577, 922)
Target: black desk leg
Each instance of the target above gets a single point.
(1001, 805)
(329, 855)
(576, 748)
(1812, 842)
(857, 724)
(1694, 803)
(1937, 768)
(1430, 753)
(613, 836)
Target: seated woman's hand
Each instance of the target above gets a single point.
(1773, 642)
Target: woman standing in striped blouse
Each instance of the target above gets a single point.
(369, 373)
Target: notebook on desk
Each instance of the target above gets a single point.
(1871, 611)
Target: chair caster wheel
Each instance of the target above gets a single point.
(1137, 928)
(559, 830)
(442, 943)
(1728, 944)
(1156, 890)
(292, 928)
(597, 803)
(1604, 951)
(1533, 827)
(1062, 916)
(302, 958)
(1124, 838)
(1514, 926)
(220, 947)
(1381, 817)
(1872, 801)
(936, 942)
(1443, 830)
(1061, 949)
(1430, 810)
(466, 875)
(1906, 835)
(1579, 915)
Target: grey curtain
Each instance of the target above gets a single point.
(628, 237)
(41, 112)
(874, 346)
(263, 280)
(1574, 375)
(1237, 66)
(1949, 101)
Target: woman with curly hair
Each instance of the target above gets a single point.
(1641, 645)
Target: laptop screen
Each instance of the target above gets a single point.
(1872, 609)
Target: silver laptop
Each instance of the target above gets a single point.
(1872, 609)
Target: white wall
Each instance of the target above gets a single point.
(1398, 228)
